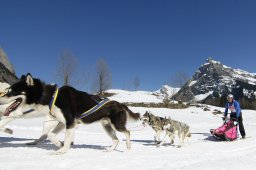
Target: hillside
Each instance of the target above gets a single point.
(7, 73)
(213, 81)
(158, 96)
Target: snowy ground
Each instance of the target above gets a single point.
(203, 152)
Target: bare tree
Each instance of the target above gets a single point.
(67, 67)
(179, 79)
(136, 83)
(103, 78)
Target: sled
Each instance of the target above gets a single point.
(226, 132)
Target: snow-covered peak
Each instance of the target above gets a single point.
(167, 90)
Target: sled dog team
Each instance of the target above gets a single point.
(66, 107)
(168, 125)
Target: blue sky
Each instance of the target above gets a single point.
(148, 39)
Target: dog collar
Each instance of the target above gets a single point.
(54, 97)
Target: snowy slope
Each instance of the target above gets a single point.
(124, 96)
(134, 96)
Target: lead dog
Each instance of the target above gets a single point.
(66, 110)
(155, 122)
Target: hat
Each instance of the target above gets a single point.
(230, 96)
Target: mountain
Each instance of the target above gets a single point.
(166, 91)
(5, 61)
(213, 81)
(7, 73)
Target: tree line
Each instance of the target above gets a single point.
(102, 78)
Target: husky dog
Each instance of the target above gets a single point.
(155, 122)
(65, 110)
(7, 108)
(171, 127)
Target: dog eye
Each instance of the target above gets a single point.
(8, 90)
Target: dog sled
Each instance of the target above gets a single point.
(226, 132)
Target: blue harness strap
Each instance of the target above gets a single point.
(94, 109)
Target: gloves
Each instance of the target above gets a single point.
(233, 118)
(235, 123)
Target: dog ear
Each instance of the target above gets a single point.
(29, 80)
(23, 77)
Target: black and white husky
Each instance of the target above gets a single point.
(30, 93)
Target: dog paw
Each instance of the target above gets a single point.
(108, 149)
(129, 147)
(59, 152)
(157, 142)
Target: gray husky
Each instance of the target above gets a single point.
(171, 127)
(155, 122)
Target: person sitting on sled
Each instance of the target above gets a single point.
(236, 114)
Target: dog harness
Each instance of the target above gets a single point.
(54, 97)
(87, 113)
(95, 108)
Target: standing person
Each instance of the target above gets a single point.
(235, 114)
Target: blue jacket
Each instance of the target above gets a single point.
(234, 107)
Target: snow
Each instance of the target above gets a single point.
(134, 96)
(226, 67)
(203, 152)
(192, 83)
(166, 90)
(239, 71)
(215, 62)
(125, 96)
(201, 97)
(245, 76)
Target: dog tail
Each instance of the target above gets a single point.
(134, 116)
